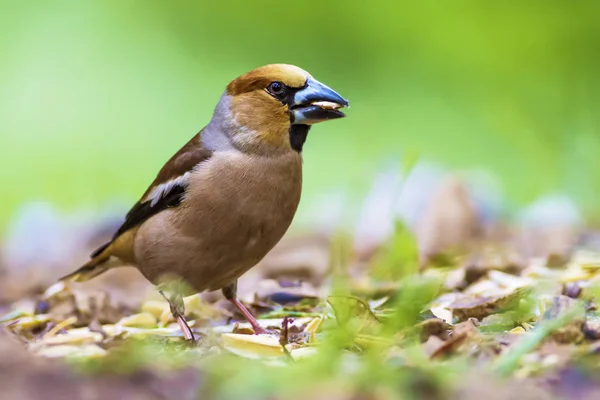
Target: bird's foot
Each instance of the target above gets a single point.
(259, 330)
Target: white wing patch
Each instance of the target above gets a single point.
(163, 189)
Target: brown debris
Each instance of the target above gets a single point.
(462, 334)
(436, 347)
(433, 327)
(492, 258)
(87, 306)
(573, 331)
(27, 377)
(572, 289)
(591, 328)
(472, 307)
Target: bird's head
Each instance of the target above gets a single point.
(270, 109)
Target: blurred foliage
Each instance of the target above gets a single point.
(399, 258)
(97, 95)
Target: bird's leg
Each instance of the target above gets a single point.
(230, 293)
(178, 311)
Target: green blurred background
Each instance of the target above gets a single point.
(96, 95)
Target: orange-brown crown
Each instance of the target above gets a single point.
(260, 78)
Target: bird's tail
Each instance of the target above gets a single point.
(96, 266)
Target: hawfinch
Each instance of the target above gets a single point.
(221, 203)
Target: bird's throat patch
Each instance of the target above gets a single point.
(298, 135)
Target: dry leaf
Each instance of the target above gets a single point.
(141, 320)
(65, 350)
(484, 306)
(252, 346)
(355, 311)
(433, 327)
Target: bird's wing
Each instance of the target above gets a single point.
(167, 189)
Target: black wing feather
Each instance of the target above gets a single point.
(140, 212)
(183, 161)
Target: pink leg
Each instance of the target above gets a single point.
(185, 329)
(248, 315)
(230, 293)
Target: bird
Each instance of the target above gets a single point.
(227, 197)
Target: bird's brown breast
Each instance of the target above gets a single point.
(236, 208)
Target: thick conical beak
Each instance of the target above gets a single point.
(316, 102)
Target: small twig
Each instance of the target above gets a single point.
(76, 310)
(284, 339)
(60, 326)
(95, 325)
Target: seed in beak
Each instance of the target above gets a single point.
(328, 105)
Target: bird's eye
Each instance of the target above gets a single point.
(276, 88)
